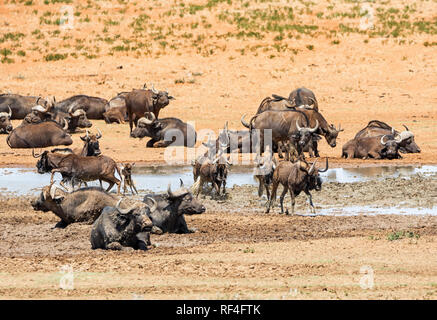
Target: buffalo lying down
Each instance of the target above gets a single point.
(165, 132)
(123, 229)
(171, 207)
(22, 105)
(38, 135)
(379, 147)
(83, 205)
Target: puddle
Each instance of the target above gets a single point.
(22, 181)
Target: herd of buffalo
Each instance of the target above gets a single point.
(289, 126)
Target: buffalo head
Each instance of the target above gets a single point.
(304, 135)
(390, 145)
(184, 201)
(5, 121)
(407, 143)
(332, 134)
(78, 119)
(146, 127)
(50, 197)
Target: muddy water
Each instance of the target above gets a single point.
(28, 181)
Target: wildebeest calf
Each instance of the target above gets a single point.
(126, 173)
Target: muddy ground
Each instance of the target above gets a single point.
(238, 251)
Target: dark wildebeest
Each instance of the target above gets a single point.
(296, 177)
(172, 206)
(79, 168)
(115, 109)
(213, 171)
(22, 105)
(91, 146)
(379, 147)
(265, 166)
(83, 205)
(123, 229)
(139, 102)
(304, 97)
(377, 128)
(287, 127)
(75, 119)
(38, 135)
(5, 121)
(93, 106)
(126, 172)
(165, 132)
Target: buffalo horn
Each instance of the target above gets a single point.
(155, 204)
(315, 128)
(243, 122)
(382, 140)
(326, 169)
(99, 135)
(153, 89)
(124, 211)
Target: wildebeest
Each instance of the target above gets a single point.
(123, 229)
(379, 147)
(115, 109)
(140, 101)
(93, 106)
(304, 97)
(39, 135)
(126, 173)
(265, 166)
(213, 171)
(165, 132)
(91, 146)
(5, 121)
(377, 128)
(296, 177)
(79, 168)
(286, 127)
(171, 208)
(83, 205)
(22, 105)
(75, 119)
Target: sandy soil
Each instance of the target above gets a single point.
(238, 251)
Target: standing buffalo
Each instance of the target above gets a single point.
(296, 177)
(139, 102)
(22, 105)
(5, 121)
(379, 147)
(165, 132)
(83, 205)
(123, 229)
(376, 128)
(304, 97)
(93, 106)
(38, 135)
(171, 208)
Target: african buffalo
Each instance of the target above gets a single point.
(303, 97)
(83, 205)
(75, 119)
(171, 208)
(22, 105)
(379, 147)
(275, 103)
(115, 109)
(377, 128)
(139, 102)
(123, 229)
(296, 177)
(93, 106)
(79, 168)
(165, 132)
(38, 135)
(5, 121)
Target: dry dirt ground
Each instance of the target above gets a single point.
(220, 59)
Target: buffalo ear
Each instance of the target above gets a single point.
(317, 137)
(171, 98)
(83, 139)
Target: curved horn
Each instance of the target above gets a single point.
(398, 138)
(382, 140)
(326, 169)
(124, 211)
(99, 135)
(10, 111)
(33, 154)
(37, 100)
(169, 191)
(70, 110)
(243, 122)
(392, 130)
(144, 86)
(312, 130)
(406, 127)
(182, 183)
(153, 89)
(313, 166)
(65, 125)
(297, 126)
(155, 204)
(53, 190)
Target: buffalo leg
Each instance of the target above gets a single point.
(281, 199)
(310, 200)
